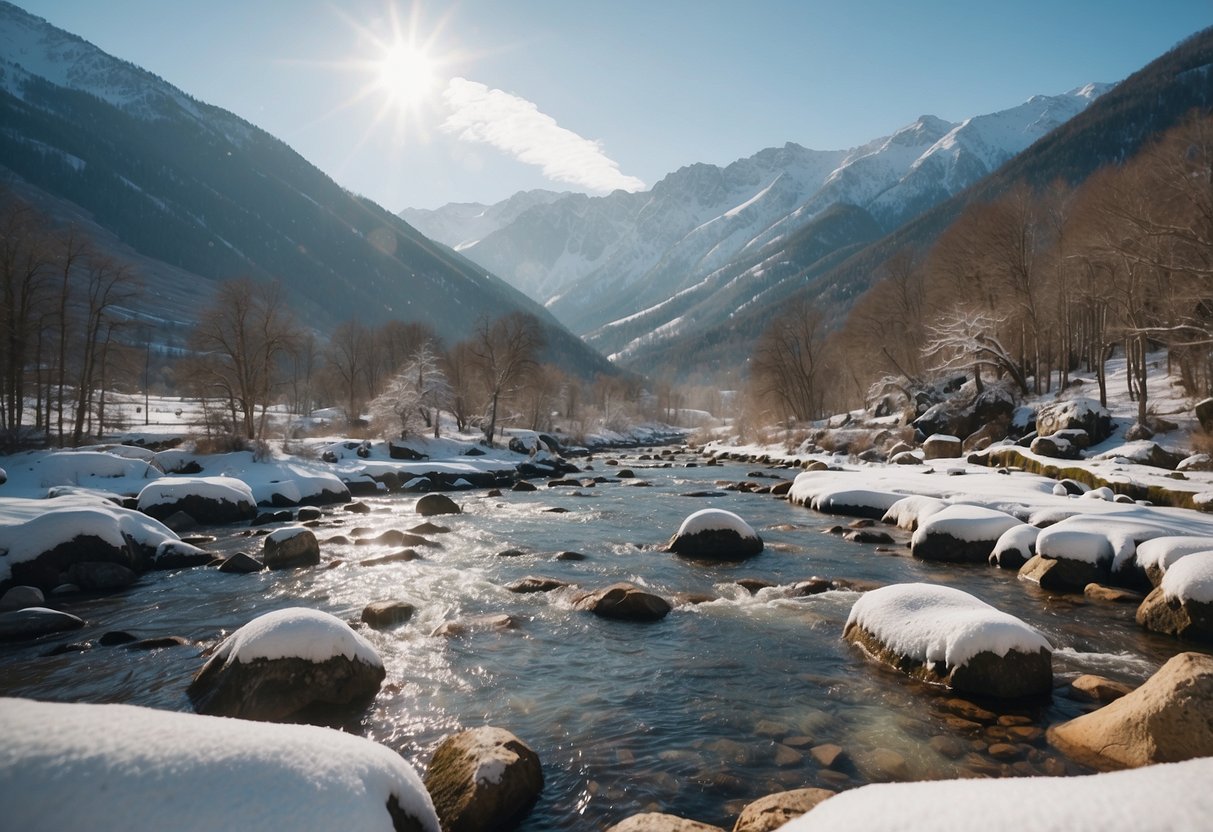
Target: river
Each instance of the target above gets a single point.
(718, 704)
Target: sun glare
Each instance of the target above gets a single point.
(407, 74)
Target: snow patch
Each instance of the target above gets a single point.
(297, 632)
(716, 519)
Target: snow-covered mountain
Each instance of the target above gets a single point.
(597, 261)
(192, 194)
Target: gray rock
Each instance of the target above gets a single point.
(36, 621)
(100, 576)
(20, 597)
(276, 690)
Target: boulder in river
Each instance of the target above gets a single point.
(1166, 719)
(660, 822)
(624, 602)
(773, 811)
(284, 663)
(482, 780)
(944, 636)
(209, 500)
(432, 505)
(1182, 603)
(715, 534)
(291, 547)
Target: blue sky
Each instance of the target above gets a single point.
(574, 95)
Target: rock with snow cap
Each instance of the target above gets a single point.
(209, 500)
(67, 532)
(715, 534)
(941, 446)
(482, 780)
(31, 622)
(961, 534)
(1079, 413)
(286, 665)
(157, 770)
(1182, 604)
(945, 636)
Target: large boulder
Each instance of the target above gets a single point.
(1081, 413)
(774, 810)
(660, 822)
(209, 500)
(285, 665)
(32, 622)
(623, 602)
(1182, 604)
(941, 446)
(483, 779)
(290, 547)
(76, 766)
(432, 505)
(1164, 720)
(715, 534)
(947, 637)
(65, 534)
(961, 534)
(1155, 556)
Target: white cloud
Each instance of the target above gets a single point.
(516, 126)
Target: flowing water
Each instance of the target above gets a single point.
(718, 704)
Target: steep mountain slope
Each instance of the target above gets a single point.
(212, 196)
(600, 262)
(1112, 129)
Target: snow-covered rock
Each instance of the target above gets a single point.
(1157, 555)
(832, 495)
(1075, 414)
(715, 534)
(1157, 797)
(1165, 720)
(961, 534)
(482, 779)
(1182, 604)
(73, 766)
(908, 512)
(284, 662)
(69, 531)
(209, 500)
(945, 636)
(1015, 547)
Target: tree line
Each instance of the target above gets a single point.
(71, 336)
(1025, 289)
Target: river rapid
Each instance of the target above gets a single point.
(720, 703)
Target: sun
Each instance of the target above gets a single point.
(407, 75)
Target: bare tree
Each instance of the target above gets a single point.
(787, 361)
(241, 337)
(504, 351)
(108, 284)
(347, 355)
(966, 339)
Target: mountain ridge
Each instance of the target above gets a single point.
(206, 193)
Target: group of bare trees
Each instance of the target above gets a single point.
(1028, 288)
(62, 310)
